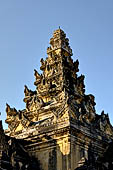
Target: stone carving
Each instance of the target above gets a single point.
(43, 64)
(103, 123)
(76, 64)
(88, 109)
(31, 99)
(59, 114)
(38, 77)
(80, 84)
(12, 117)
(35, 103)
(59, 76)
(11, 112)
(28, 92)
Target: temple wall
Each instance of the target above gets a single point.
(53, 155)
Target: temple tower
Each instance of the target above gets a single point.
(60, 122)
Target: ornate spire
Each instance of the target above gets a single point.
(60, 92)
(59, 70)
(59, 41)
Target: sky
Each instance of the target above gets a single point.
(26, 27)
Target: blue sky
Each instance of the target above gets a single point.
(25, 29)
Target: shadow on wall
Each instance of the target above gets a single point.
(16, 158)
(101, 163)
(90, 163)
(20, 159)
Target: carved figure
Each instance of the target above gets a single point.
(12, 117)
(42, 61)
(103, 121)
(10, 111)
(28, 92)
(87, 109)
(76, 64)
(37, 75)
(80, 84)
(34, 103)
